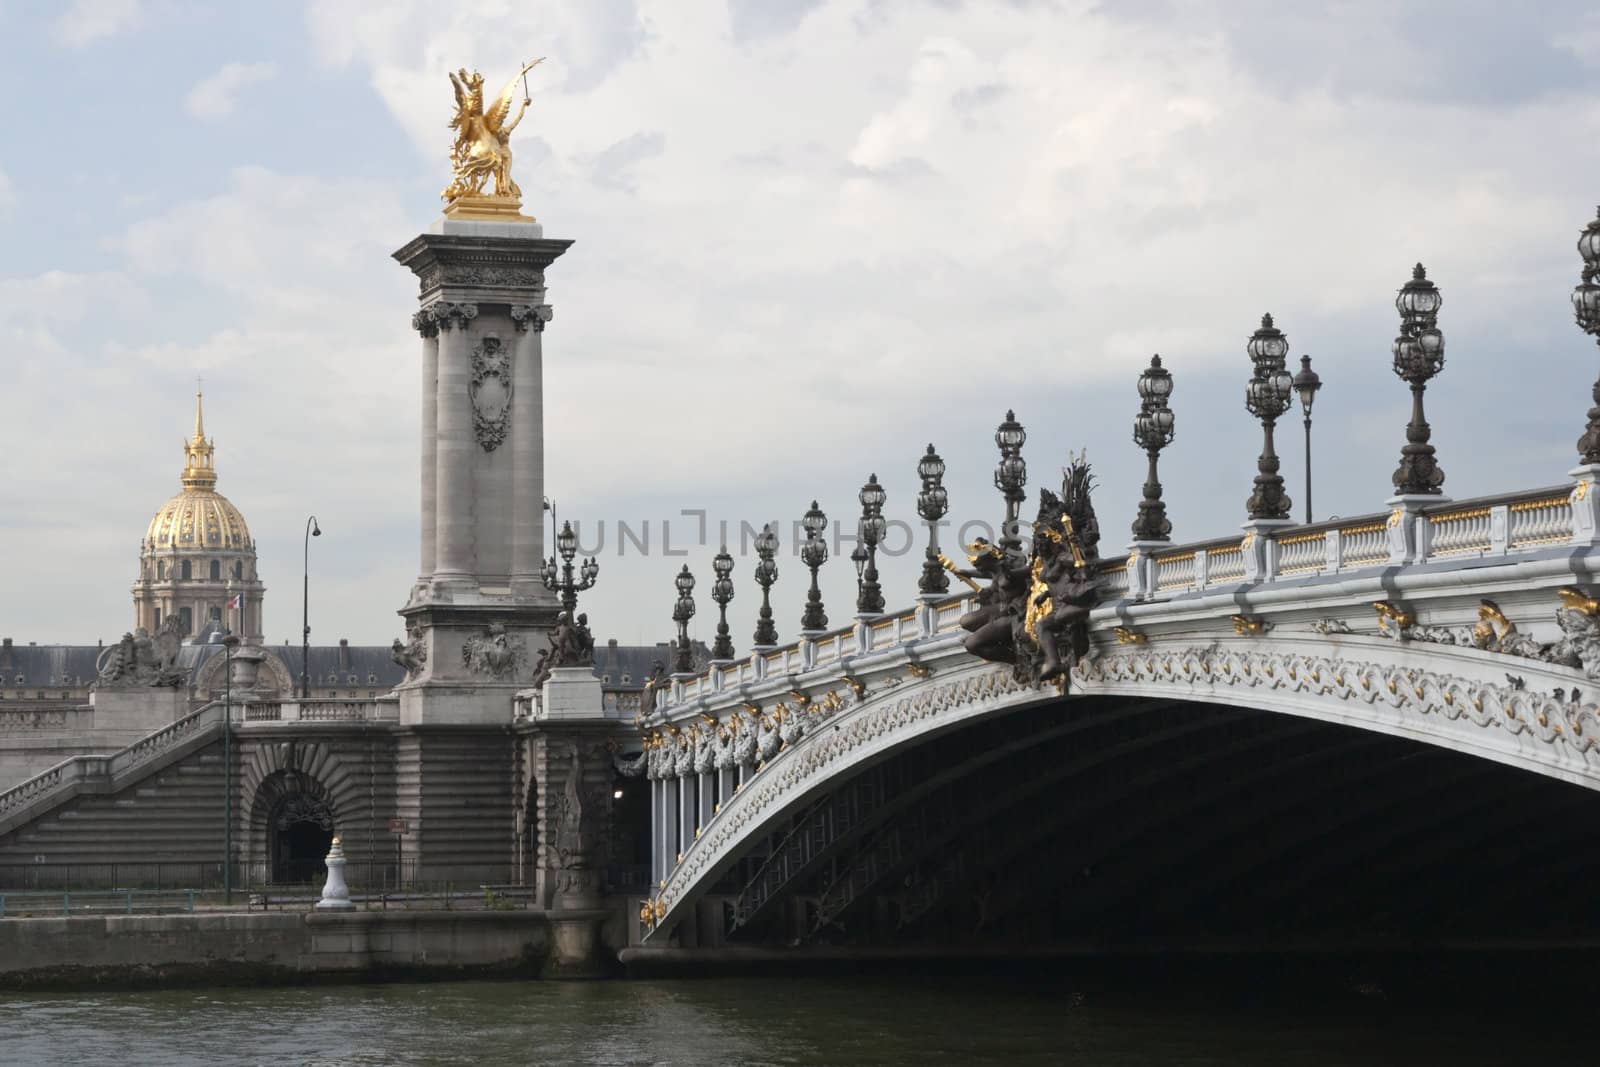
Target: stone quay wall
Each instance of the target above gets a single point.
(246, 948)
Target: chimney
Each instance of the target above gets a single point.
(344, 653)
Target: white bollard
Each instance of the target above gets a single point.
(335, 894)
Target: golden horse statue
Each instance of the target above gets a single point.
(482, 148)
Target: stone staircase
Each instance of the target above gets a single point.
(156, 800)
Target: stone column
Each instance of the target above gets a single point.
(453, 450)
(686, 800)
(429, 329)
(527, 449)
(704, 790)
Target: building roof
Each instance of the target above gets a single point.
(372, 666)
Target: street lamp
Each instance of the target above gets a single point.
(722, 592)
(1011, 474)
(1306, 383)
(766, 574)
(312, 530)
(1267, 396)
(814, 553)
(229, 643)
(1418, 356)
(873, 526)
(1153, 431)
(569, 585)
(1586, 305)
(682, 612)
(932, 503)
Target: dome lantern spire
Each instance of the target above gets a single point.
(199, 471)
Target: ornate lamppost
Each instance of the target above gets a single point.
(1011, 474)
(766, 574)
(682, 612)
(1306, 384)
(869, 598)
(1267, 396)
(722, 592)
(1586, 306)
(932, 503)
(312, 530)
(1418, 356)
(814, 553)
(1153, 431)
(229, 643)
(569, 584)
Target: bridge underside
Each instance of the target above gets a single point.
(1113, 823)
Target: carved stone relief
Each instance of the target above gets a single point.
(495, 653)
(490, 390)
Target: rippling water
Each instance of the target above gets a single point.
(923, 1021)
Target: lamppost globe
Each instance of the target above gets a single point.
(567, 541)
(590, 571)
(1306, 384)
(814, 522)
(1589, 242)
(684, 581)
(858, 556)
(1010, 435)
(931, 467)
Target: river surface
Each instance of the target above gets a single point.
(920, 1020)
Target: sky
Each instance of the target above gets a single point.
(812, 236)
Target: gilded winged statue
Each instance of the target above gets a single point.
(483, 136)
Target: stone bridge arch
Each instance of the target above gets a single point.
(296, 794)
(1508, 710)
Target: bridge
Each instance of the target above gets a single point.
(1294, 721)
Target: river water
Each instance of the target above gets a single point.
(921, 1020)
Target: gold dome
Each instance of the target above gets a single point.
(199, 516)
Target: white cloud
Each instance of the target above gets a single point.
(213, 97)
(8, 197)
(86, 21)
(808, 245)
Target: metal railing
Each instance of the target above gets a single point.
(93, 902)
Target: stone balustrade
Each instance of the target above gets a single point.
(1434, 534)
(255, 713)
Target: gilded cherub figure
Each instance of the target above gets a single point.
(483, 136)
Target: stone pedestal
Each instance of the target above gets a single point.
(571, 693)
(124, 714)
(335, 894)
(1585, 504)
(1259, 550)
(1408, 527)
(245, 669)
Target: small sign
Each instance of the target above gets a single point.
(399, 826)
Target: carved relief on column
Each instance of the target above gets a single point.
(491, 390)
(532, 316)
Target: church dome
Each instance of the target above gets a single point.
(199, 516)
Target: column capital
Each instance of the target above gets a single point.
(423, 322)
(453, 315)
(533, 316)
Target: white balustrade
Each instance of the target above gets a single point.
(1541, 522)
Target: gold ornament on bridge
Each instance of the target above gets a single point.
(482, 149)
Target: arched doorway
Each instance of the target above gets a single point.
(299, 831)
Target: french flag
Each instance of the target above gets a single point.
(234, 603)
